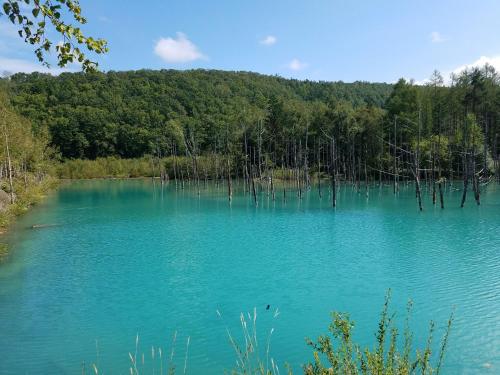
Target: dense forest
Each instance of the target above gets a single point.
(215, 124)
(127, 113)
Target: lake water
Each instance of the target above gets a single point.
(127, 257)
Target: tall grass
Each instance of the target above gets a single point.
(156, 360)
(250, 357)
(335, 353)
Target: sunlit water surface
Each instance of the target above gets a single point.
(127, 257)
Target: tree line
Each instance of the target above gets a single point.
(127, 113)
(266, 127)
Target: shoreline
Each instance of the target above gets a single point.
(29, 198)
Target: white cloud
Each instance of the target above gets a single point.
(269, 40)
(436, 37)
(10, 66)
(422, 82)
(177, 50)
(296, 65)
(493, 61)
(479, 63)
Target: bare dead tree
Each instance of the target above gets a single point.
(9, 161)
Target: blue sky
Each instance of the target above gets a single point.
(373, 40)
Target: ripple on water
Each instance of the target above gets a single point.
(129, 258)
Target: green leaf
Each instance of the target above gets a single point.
(7, 8)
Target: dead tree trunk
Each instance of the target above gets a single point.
(333, 173)
(272, 184)
(152, 168)
(9, 164)
(475, 176)
(174, 164)
(366, 174)
(216, 168)
(261, 131)
(283, 179)
(485, 149)
(247, 176)
(440, 187)
(229, 185)
(466, 179)
(433, 174)
(475, 181)
(306, 163)
(418, 192)
(395, 160)
(319, 170)
(253, 188)
(417, 166)
(440, 177)
(495, 158)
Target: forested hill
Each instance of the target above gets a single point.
(123, 113)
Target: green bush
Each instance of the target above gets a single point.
(343, 356)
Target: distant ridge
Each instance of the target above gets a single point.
(92, 115)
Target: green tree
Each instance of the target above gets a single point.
(34, 17)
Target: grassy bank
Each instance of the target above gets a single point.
(104, 168)
(28, 192)
(209, 166)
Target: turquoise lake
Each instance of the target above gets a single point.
(126, 257)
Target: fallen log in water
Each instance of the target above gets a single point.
(40, 226)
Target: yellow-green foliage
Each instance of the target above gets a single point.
(344, 356)
(434, 148)
(25, 162)
(208, 166)
(26, 196)
(105, 168)
(470, 133)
